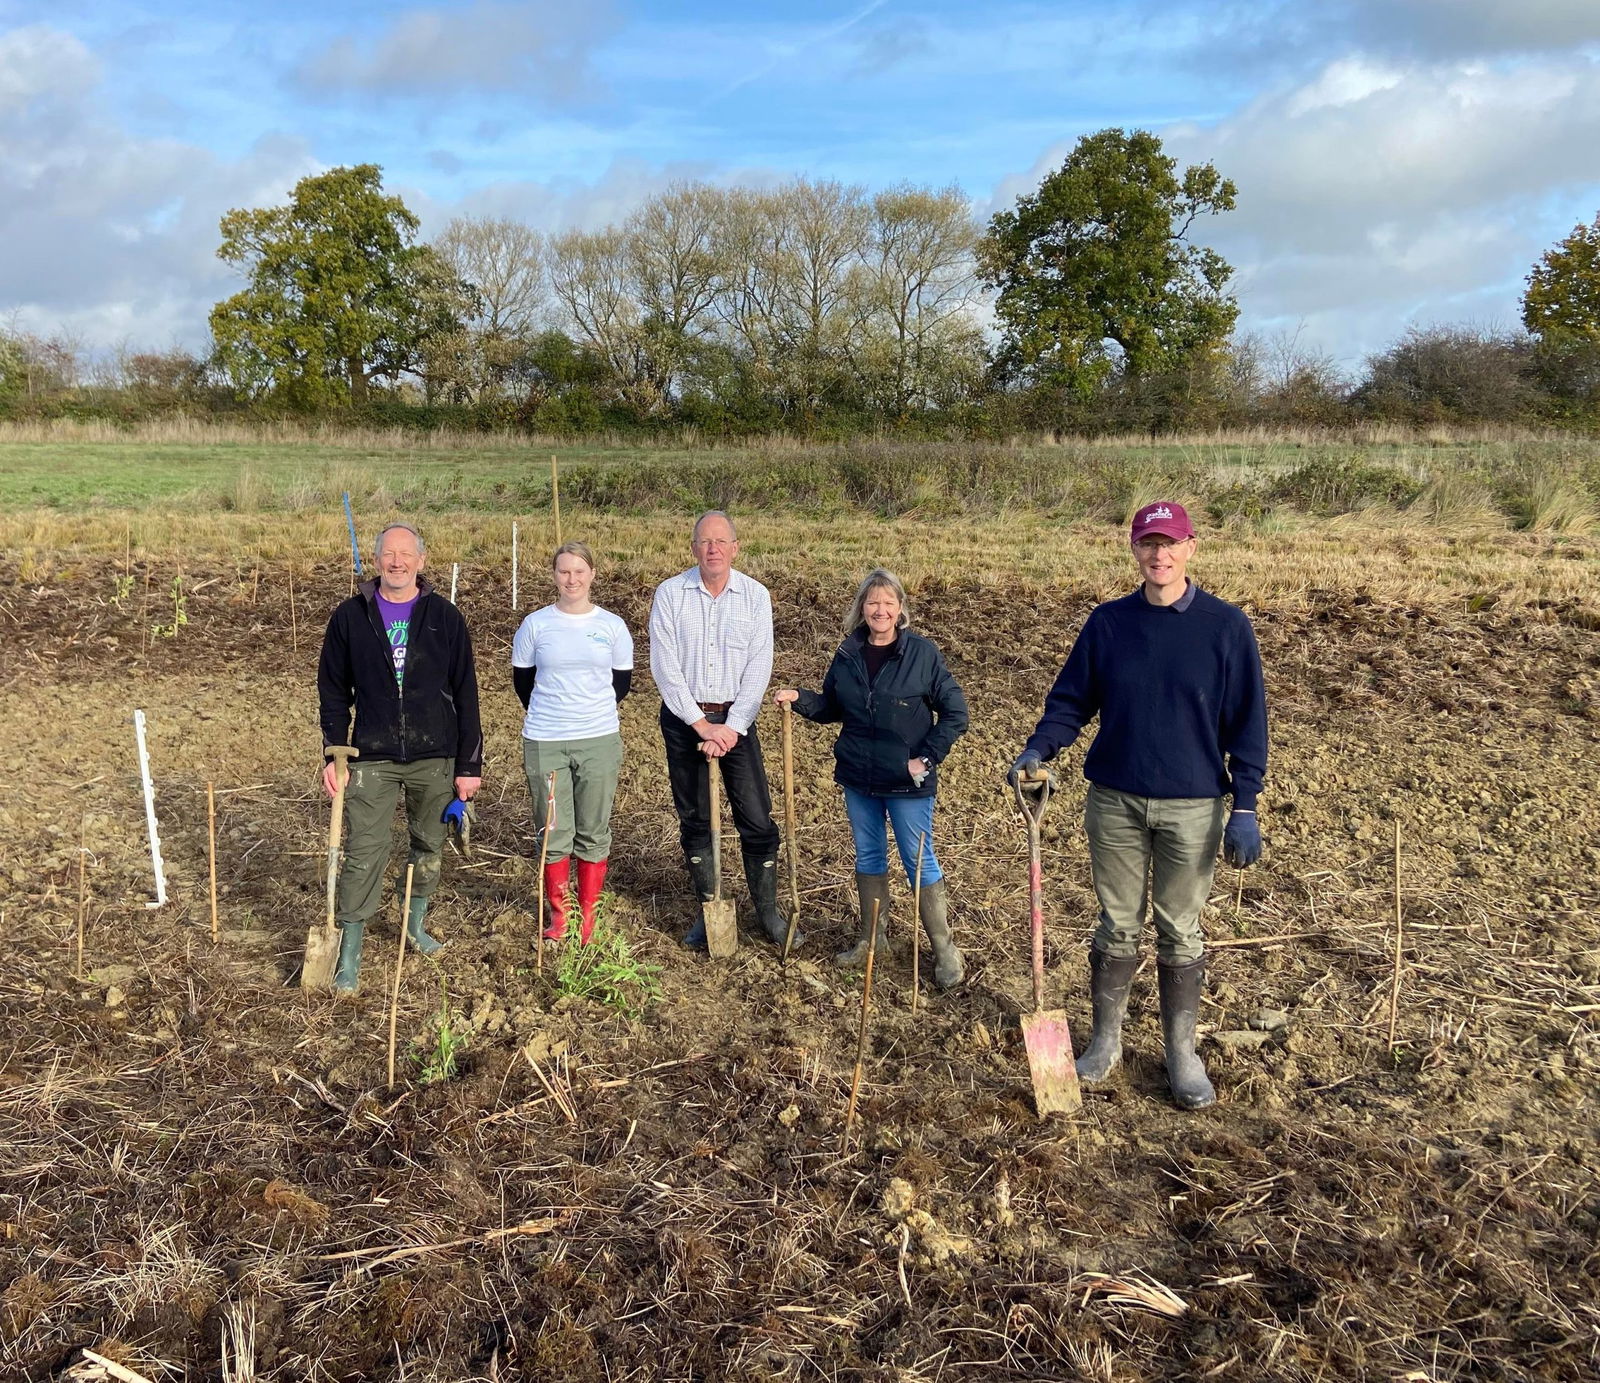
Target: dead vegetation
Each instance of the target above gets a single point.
(203, 1175)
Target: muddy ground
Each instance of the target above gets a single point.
(203, 1173)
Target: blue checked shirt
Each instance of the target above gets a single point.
(711, 649)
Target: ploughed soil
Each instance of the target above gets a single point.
(205, 1173)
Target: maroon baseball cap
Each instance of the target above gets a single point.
(1164, 517)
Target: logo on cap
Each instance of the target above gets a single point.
(1159, 512)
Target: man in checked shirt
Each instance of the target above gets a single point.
(711, 657)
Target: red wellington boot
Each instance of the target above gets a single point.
(556, 873)
(591, 879)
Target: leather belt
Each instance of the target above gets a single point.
(715, 707)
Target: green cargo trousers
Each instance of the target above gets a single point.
(586, 785)
(1155, 853)
(369, 801)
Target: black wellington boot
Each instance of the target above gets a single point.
(1180, 1008)
(761, 873)
(703, 879)
(1110, 983)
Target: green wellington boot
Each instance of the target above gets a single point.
(868, 888)
(415, 932)
(347, 974)
(934, 905)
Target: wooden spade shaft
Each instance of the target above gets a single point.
(322, 942)
(790, 845)
(722, 923)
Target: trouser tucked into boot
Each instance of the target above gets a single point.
(761, 874)
(347, 974)
(591, 879)
(1110, 983)
(870, 888)
(934, 905)
(416, 933)
(1180, 1009)
(703, 879)
(556, 875)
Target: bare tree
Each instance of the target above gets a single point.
(504, 261)
(921, 338)
(591, 277)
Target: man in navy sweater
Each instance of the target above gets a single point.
(1175, 676)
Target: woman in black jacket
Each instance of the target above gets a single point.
(901, 712)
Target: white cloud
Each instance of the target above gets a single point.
(1378, 192)
(107, 235)
(539, 49)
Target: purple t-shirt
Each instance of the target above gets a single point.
(397, 624)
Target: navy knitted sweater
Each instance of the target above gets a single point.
(1179, 693)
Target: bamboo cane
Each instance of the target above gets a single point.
(294, 626)
(1399, 926)
(211, 840)
(399, 962)
(83, 886)
(916, 925)
(555, 498)
(866, 1008)
(514, 566)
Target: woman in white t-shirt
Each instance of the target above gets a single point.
(572, 664)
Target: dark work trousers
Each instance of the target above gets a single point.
(744, 781)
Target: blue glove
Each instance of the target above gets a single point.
(455, 814)
(1241, 840)
(1027, 762)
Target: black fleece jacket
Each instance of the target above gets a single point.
(435, 714)
(913, 709)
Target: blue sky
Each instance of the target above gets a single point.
(1398, 161)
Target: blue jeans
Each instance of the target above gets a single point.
(911, 817)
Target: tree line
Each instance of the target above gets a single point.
(811, 307)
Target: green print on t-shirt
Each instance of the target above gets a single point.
(399, 631)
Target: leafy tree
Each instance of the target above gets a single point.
(1094, 270)
(1562, 308)
(1562, 304)
(339, 295)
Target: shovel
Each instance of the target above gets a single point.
(1044, 1031)
(722, 924)
(322, 943)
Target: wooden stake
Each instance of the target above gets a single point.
(1394, 986)
(916, 924)
(294, 627)
(211, 832)
(555, 498)
(866, 1008)
(514, 564)
(255, 582)
(1238, 898)
(399, 961)
(455, 575)
(83, 888)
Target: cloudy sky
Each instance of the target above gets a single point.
(1398, 161)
